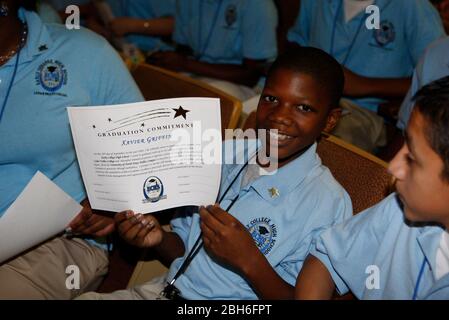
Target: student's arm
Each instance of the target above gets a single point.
(247, 74)
(92, 222)
(153, 27)
(144, 231)
(359, 86)
(228, 241)
(314, 281)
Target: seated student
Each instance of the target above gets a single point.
(398, 249)
(44, 69)
(433, 65)
(225, 42)
(377, 63)
(143, 22)
(256, 247)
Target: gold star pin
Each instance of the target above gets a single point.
(274, 192)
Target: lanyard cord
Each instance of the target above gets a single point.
(351, 46)
(211, 31)
(418, 281)
(198, 243)
(10, 85)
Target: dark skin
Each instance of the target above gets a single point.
(291, 102)
(358, 86)
(247, 73)
(10, 29)
(92, 223)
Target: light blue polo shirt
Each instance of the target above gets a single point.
(432, 66)
(282, 227)
(61, 5)
(379, 238)
(227, 31)
(57, 68)
(144, 9)
(407, 27)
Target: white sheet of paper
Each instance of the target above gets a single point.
(41, 211)
(127, 153)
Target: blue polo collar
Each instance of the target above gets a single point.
(38, 40)
(429, 241)
(282, 181)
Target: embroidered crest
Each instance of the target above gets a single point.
(51, 75)
(385, 34)
(264, 233)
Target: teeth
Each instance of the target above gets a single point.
(279, 136)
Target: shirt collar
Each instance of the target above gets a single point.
(38, 40)
(274, 187)
(334, 4)
(429, 241)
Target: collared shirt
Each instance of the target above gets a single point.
(378, 256)
(282, 223)
(432, 66)
(144, 9)
(57, 68)
(407, 27)
(227, 31)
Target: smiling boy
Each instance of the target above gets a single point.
(258, 235)
(404, 238)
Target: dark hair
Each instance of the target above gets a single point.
(432, 101)
(322, 67)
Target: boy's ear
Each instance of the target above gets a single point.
(332, 119)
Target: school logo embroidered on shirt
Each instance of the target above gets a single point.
(385, 34)
(264, 233)
(153, 190)
(231, 15)
(51, 75)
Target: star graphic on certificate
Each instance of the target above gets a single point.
(181, 112)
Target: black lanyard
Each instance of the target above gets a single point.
(170, 291)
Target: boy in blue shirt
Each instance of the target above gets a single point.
(224, 42)
(378, 63)
(256, 237)
(398, 249)
(44, 69)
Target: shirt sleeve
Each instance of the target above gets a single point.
(349, 248)
(164, 8)
(113, 83)
(182, 222)
(407, 105)
(259, 30)
(327, 214)
(181, 25)
(423, 26)
(300, 32)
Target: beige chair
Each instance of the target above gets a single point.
(157, 83)
(363, 175)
